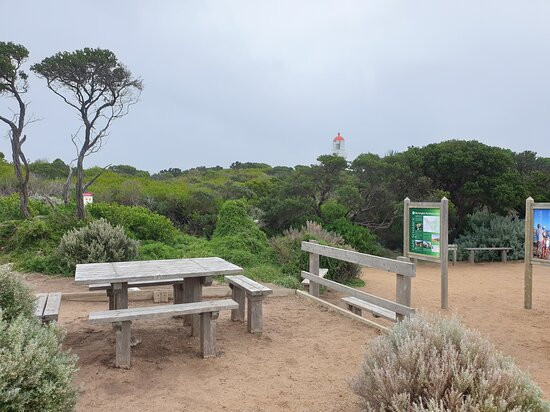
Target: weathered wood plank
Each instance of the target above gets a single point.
(375, 262)
(51, 310)
(238, 296)
(122, 344)
(444, 252)
(252, 287)
(255, 320)
(487, 248)
(375, 310)
(207, 335)
(528, 270)
(384, 303)
(140, 284)
(40, 304)
(322, 272)
(91, 273)
(120, 315)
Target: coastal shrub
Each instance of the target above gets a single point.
(484, 229)
(140, 222)
(9, 207)
(96, 242)
(438, 365)
(293, 260)
(16, 299)
(35, 374)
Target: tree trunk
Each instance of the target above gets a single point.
(80, 210)
(21, 174)
(67, 184)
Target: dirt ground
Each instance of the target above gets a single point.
(306, 354)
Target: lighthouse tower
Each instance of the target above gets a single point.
(339, 146)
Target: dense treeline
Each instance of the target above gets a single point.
(356, 199)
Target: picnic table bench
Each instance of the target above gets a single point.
(473, 250)
(357, 306)
(122, 320)
(255, 292)
(47, 306)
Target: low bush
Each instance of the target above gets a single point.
(140, 222)
(272, 274)
(438, 365)
(289, 254)
(35, 374)
(9, 207)
(484, 229)
(97, 242)
(16, 299)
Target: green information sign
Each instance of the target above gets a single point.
(424, 231)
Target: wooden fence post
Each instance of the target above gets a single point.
(314, 269)
(402, 288)
(528, 277)
(444, 252)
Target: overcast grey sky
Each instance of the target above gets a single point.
(275, 81)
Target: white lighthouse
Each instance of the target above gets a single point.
(339, 146)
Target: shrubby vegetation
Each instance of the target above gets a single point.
(484, 229)
(35, 374)
(439, 365)
(96, 242)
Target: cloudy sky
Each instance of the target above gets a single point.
(275, 81)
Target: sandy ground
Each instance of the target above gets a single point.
(306, 355)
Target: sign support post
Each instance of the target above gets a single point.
(528, 277)
(426, 237)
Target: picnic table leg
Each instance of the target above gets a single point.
(192, 292)
(503, 256)
(239, 296)
(122, 345)
(178, 292)
(208, 333)
(254, 324)
(120, 295)
(472, 256)
(111, 297)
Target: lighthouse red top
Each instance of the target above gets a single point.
(338, 138)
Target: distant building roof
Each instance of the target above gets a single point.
(338, 138)
(87, 194)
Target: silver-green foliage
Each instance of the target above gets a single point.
(96, 242)
(15, 297)
(438, 365)
(484, 229)
(35, 374)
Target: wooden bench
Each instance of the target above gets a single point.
(176, 283)
(357, 306)
(503, 252)
(255, 292)
(47, 306)
(122, 320)
(453, 248)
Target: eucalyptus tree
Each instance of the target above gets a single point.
(101, 90)
(13, 85)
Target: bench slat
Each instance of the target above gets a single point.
(385, 313)
(121, 315)
(53, 303)
(252, 287)
(40, 304)
(143, 283)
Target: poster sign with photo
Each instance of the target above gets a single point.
(425, 231)
(541, 234)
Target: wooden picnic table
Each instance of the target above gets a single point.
(188, 274)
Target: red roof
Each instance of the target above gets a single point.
(87, 194)
(338, 138)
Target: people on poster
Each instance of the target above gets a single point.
(541, 234)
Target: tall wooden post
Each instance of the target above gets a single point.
(528, 277)
(402, 288)
(314, 269)
(444, 252)
(406, 226)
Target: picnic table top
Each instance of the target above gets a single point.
(116, 272)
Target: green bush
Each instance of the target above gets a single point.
(271, 274)
(289, 254)
(140, 222)
(9, 207)
(35, 375)
(484, 229)
(97, 242)
(438, 365)
(233, 219)
(16, 299)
